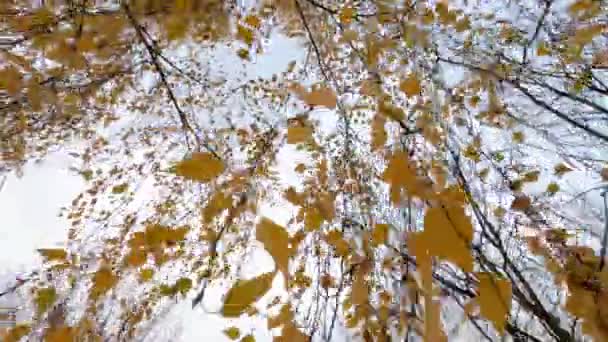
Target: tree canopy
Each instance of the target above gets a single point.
(431, 161)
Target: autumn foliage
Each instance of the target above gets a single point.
(417, 215)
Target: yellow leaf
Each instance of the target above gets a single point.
(561, 169)
(312, 219)
(202, 167)
(218, 203)
(243, 54)
(325, 205)
(16, 333)
(401, 175)
(531, 176)
(335, 239)
(245, 34)
(248, 338)
(285, 316)
(253, 21)
(518, 137)
(291, 333)
(552, 188)
(45, 297)
(59, 334)
(494, 299)
(322, 96)
(448, 233)
(380, 234)
(103, 280)
(146, 274)
(521, 202)
(379, 135)
(543, 49)
(276, 241)
(233, 333)
(346, 15)
(411, 85)
(244, 293)
(299, 134)
(51, 254)
(360, 290)
(119, 189)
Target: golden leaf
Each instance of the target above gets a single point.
(284, 317)
(411, 85)
(312, 219)
(322, 96)
(561, 169)
(248, 338)
(202, 167)
(299, 134)
(531, 176)
(360, 290)
(379, 234)
(233, 333)
(253, 21)
(16, 333)
(378, 132)
(325, 205)
(45, 298)
(146, 274)
(136, 257)
(336, 239)
(244, 293)
(218, 203)
(401, 175)
(494, 299)
(291, 333)
(521, 202)
(51, 254)
(276, 241)
(447, 234)
(552, 188)
(59, 334)
(543, 49)
(518, 137)
(103, 280)
(346, 15)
